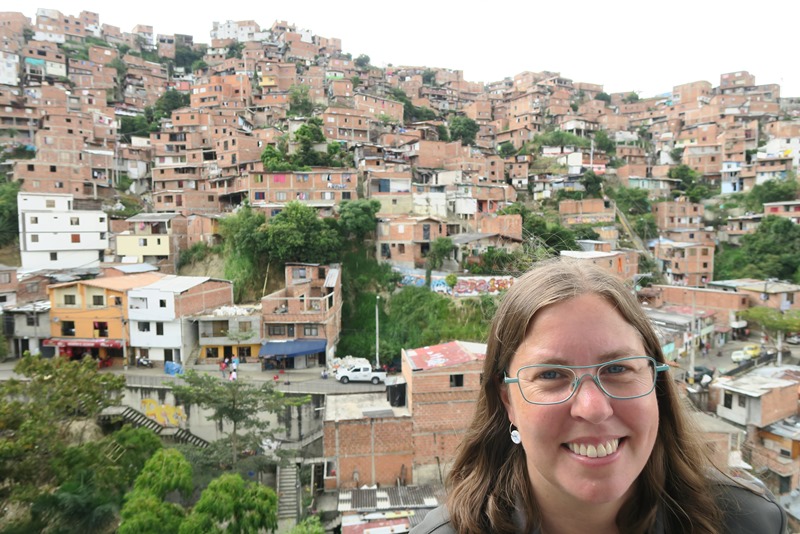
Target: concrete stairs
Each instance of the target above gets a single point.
(138, 419)
(287, 492)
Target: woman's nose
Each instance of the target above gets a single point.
(589, 402)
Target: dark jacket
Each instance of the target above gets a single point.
(745, 512)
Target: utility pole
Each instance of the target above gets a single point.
(377, 333)
(693, 341)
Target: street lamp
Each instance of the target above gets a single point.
(377, 333)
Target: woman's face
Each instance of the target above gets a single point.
(559, 439)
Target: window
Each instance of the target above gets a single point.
(212, 352)
(52, 168)
(742, 401)
(34, 238)
(162, 303)
(54, 256)
(100, 329)
(34, 220)
(345, 195)
(75, 238)
(117, 301)
(142, 242)
(50, 203)
(310, 330)
(144, 326)
(211, 198)
(97, 300)
(159, 329)
(74, 221)
(68, 328)
(276, 330)
(5, 278)
(728, 400)
(281, 195)
(33, 287)
(245, 326)
(456, 381)
(69, 300)
(31, 319)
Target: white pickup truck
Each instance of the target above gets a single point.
(358, 373)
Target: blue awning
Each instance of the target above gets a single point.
(290, 349)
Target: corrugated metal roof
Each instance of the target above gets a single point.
(121, 283)
(390, 498)
(177, 284)
(152, 217)
(331, 278)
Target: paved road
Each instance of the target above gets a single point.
(305, 381)
(724, 363)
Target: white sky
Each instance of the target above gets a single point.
(624, 45)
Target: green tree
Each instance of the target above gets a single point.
(428, 77)
(357, 217)
(593, 184)
(169, 102)
(441, 249)
(464, 129)
(630, 200)
(645, 226)
(40, 413)
(231, 505)
(773, 321)
(238, 404)
(770, 191)
(444, 135)
(604, 142)
(9, 225)
(300, 103)
(298, 234)
(235, 51)
(165, 472)
(630, 98)
(245, 250)
(605, 97)
(560, 139)
(145, 513)
(309, 525)
(506, 149)
(362, 61)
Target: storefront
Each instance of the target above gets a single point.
(101, 349)
(286, 354)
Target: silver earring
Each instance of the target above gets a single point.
(515, 437)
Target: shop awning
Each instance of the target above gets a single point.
(738, 324)
(90, 343)
(290, 349)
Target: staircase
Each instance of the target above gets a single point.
(138, 419)
(287, 492)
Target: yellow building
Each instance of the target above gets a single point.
(91, 316)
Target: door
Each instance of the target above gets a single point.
(167, 355)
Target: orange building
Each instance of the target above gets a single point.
(91, 316)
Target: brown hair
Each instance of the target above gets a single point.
(489, 478)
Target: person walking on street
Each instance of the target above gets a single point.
(232, 377)
(223, 367)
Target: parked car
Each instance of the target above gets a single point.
(700, 371)
(739, 356)
(359, 374)
(794, 339)
(752, 350)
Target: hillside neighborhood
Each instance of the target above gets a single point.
(133, 158)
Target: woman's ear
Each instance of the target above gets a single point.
(505, 397)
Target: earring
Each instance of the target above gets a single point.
(515, 437)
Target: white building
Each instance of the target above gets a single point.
(784, 147)
(9, 68)
(159, 325)
(53, 235)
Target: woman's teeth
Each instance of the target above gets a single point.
(594, 451)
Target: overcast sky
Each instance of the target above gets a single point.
(624, 45)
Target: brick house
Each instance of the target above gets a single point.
(678, 214)
(410, 434)
(301, 322)
(685, 264)
(405, 240)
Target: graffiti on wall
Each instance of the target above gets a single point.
(467, 286)
(165, 414)
(473, 286)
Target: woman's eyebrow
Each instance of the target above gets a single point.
(601, 358)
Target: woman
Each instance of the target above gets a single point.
(579, 428)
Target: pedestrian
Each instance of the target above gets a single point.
(232, 378)
(586, 433)
(236, 363)
(223, 368)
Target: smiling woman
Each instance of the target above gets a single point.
(579, 427)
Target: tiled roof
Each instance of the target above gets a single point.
(390, 498)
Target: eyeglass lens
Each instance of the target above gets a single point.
(625, 379)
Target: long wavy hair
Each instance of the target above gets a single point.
(488, 483)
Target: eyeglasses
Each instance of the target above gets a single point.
(624, 378)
